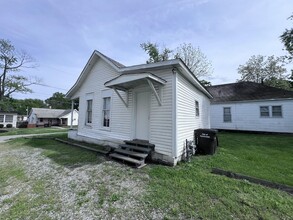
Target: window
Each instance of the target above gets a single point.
(9, 118)
(264, 111)
(89, 111)
(1, 118)
(41, 119)
(106, 111)
(227, 114)
(196, 108)
(277, 111)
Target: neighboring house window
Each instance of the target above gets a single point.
(41, 120)
(89, 111)
(106, 111)
(9, 118)
(277, 111)
(227, 114)
(264, 111)
(196, 108)
(1, 118)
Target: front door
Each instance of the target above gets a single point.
(142, 115)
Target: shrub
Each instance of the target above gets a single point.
(1, 125)
(9, 126)
(22, 124)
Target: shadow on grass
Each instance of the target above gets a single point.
(62, 154)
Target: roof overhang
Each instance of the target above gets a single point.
(130, 80)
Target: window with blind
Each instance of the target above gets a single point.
(89, 111)
(106, 111)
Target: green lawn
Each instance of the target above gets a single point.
(40, 130)
(187, 191)
(192, 189)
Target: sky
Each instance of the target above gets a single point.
(62, 34)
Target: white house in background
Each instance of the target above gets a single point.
(159, 102)
(47, 116)
(249, 106)
(8, 118)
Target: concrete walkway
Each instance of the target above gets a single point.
(10, 137)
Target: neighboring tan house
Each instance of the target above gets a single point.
(47, 117)
(159, 103)
(8, 118)
(249, 106)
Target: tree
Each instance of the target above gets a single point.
(58, 101)
(287, 40)
(268, 70)
(21, 106)
(195, 59)
(154, 53)
(12, 61)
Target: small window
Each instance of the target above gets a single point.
(89, 111)
(9, 118)
(277, 111)
(106, 111)
(264, 111)
(227, 114)
(196, 108)
(41, 119)
(1, 118)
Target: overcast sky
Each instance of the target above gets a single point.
(62, 34)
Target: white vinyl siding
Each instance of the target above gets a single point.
(246, 116)
(186, 110)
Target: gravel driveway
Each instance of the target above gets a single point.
(107, 190)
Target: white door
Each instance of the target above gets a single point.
(142, 115)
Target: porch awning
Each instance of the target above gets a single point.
(130, 80)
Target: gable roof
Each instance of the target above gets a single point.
(50, 113)
(247, 91)
(142, 68)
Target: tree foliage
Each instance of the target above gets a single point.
(154, 53)
(11, 62)
(58, 101)
(21, 106)
(195, 59)
(287, 40)
(268, 70)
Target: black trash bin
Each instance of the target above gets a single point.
(206, 141)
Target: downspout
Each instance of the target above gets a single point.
(174, 114)
(71, 120)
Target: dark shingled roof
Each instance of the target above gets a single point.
(245, 91)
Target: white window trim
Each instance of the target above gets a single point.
(281, 111)
(262, 116)
(86, 115)
(197, 109)
(106, 93)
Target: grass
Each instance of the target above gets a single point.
(20, 131)
(187, 191)
(192, 191)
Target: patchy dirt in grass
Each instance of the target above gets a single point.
(108, 190)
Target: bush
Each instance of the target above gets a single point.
(1, 125)
(22, 124)
(9, 126)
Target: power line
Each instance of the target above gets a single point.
(41, 84)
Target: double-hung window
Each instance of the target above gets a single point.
(106, 111)
(1, 118)
(264, 111)
(227, 114)
(9, 118)
(89, 111)
(277, 111)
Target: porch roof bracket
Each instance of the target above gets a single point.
(155, 92)
(124, 102)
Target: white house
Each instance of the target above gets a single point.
(8, 118)
(249, 106)
(160, 103)
(47, 116)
